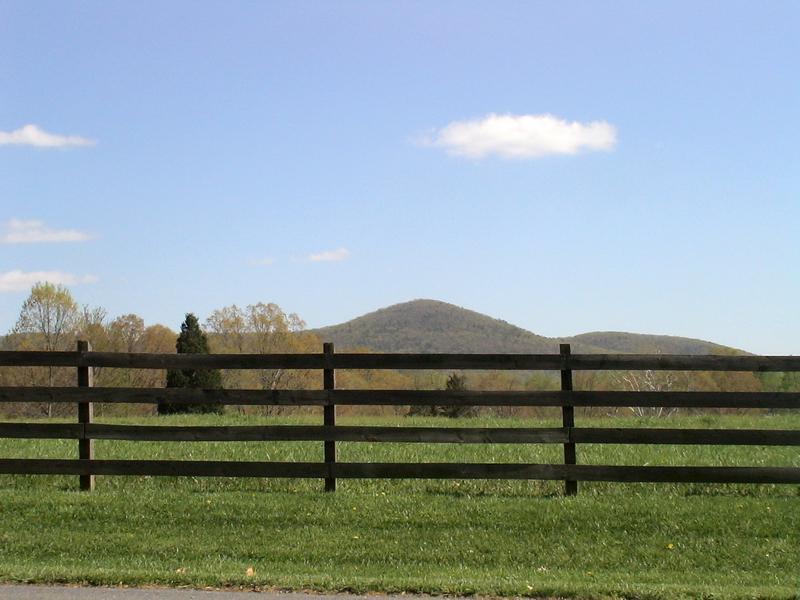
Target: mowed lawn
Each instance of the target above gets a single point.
(453, 537)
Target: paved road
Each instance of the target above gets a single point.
(41, 592)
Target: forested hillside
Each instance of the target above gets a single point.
(638, 343)
(433, 326)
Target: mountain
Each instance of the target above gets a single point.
(434, 326)
(639, 343)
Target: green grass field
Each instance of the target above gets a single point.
(453, 537)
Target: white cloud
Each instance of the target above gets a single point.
(330, 255)
(32, 135)
(523, 136)
(17, 231)
(20, 281)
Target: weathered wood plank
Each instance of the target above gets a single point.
(500, 362)
(280, 361)
(329, 418)
(431, 435)
(127, 360)
(403, 397)
(172, 395)
(56, 431)
(85, 416)
(627, 474)
(40, 466)
(241, 433)
(700, 437)
(680, 362)
(549, 362)
(29, 358)
(775, 475)
(568, 420)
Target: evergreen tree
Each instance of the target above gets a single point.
(192, 340)
(455, 383)
(458, 383)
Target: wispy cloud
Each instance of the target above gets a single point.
(33, 135)
(522, 136)
(330, 255)
(20, 281)
(17, 231)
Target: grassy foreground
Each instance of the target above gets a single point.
(494, 538)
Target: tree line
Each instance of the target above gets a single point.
(51, 319)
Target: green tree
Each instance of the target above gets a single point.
(455, 383)
(192, 340)
(458, 383)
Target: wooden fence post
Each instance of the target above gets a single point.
(329, 383)
(85, 414)
(568, 419)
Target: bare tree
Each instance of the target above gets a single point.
(261, 329)
(649, 381)
(48, 321)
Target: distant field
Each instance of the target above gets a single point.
(457, 537)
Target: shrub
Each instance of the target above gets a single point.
(455, 383)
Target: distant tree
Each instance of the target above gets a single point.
(790, 382)
(455, 383)
(126, 332)
(262, 329)
(158, 339)
(91, 326)
(649, 381)
(47, 321)
(458, 383)
(192, 340)
(48, 317)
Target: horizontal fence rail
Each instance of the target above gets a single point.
(85, 431)
(427, 435)
(519, 362)
(340, 470)
(401, 397)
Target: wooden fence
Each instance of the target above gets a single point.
(85, 431)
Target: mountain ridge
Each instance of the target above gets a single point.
(425, 325)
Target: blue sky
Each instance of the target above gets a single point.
(337, 157)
